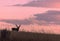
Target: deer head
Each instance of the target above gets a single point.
(18, 26)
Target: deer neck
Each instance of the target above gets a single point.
(17, 27)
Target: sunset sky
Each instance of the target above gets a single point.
(27, 12)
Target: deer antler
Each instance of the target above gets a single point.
(18, 26)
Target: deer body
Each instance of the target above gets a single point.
(16, 29)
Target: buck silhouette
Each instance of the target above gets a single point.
(17, 28)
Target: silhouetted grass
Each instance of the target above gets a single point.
(29, 36)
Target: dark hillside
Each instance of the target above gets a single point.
(29, 36)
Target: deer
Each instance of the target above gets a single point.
(16, 29)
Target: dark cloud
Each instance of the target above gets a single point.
(36, 4)
(24, 22)
(17, 5)
(44, 3)
(49, 17)
(52, 0)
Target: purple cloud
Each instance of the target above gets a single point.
(44, 3)
(24, 22)
(49, 17)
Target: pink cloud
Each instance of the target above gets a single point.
(11, 2)
(55, 5)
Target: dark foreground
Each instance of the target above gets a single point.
(29, 36)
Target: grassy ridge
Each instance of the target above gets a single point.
(29, 36)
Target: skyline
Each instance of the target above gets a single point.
(17, 12)
(28, 12)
